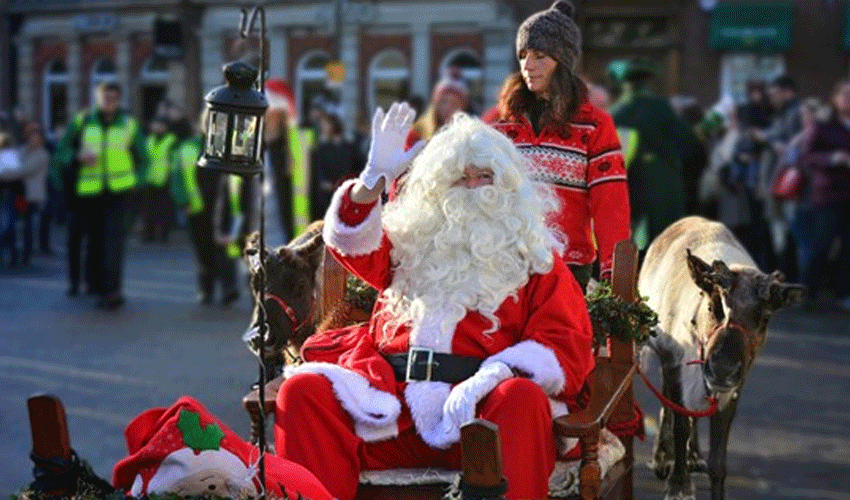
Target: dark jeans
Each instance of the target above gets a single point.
(213, 263)
(33, 209)
(158, 214)
(106, 216)
(814, 230)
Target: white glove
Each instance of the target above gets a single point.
(459, 407)
(387, 157)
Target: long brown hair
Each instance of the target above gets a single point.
(566, 93)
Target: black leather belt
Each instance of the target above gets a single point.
(420, 363)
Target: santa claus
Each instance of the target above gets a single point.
(477, 316)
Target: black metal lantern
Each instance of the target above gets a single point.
(234, 123)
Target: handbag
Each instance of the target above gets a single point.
(788, 183)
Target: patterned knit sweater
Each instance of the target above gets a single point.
(584, 165)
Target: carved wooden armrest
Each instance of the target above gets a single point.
(251, 402)
(609, 381)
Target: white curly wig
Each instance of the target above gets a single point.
(457, 249)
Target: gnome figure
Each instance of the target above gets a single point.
(183, 449)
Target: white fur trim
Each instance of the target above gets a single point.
(430, 331)
(558, 408)
(537, 360)
(374, 412)
(362, 239)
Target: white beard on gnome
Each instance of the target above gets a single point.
(457, 250)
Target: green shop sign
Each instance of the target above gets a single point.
(752, 26)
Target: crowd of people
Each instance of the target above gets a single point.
(732, 162)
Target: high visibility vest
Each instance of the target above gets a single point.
(159, 153)
(185, 175)
(300, 144)
(114, 166)
(234, 191)
(629, 142)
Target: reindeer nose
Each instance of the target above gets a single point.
(724, 367)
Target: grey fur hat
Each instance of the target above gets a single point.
(554, 32)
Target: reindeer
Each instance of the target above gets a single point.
(289, 294)
(712, 324)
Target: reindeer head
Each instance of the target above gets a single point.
(741, 300)
(288, 294)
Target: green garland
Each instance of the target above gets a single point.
(360, 294)
(622, 320)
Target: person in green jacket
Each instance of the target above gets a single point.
(102, 152)
(199, 191)
(662, 150)
(158, 212)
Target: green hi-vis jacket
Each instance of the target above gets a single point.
(185, 190)
(118, 145)
(159, 152)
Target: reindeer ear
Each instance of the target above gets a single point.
(252, 251)
(311, 250)
(701, 272)
(721, 274)
(783, 295)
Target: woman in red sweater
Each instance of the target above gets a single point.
(569, 143)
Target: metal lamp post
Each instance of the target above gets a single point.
(233, 145)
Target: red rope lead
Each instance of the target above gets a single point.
(712, 402)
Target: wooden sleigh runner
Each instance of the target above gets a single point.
(605, 468)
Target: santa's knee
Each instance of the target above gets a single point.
(303, 394)
(517, 397)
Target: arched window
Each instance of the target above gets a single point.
(389, 78)
(472, 73)
(54, 91)
(310, 79)
(103, 70)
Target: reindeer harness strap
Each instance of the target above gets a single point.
(289, 311)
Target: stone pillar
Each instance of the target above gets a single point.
(350, 57)
(26, 75)
(124, 72)
(277, 53)
(499, 61)
(212, 58)
(420, 66)
(75, 75)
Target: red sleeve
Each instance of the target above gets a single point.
(412, 137)
(352, 213)
(608, 190)
(559, 320)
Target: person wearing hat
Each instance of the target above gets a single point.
(666, 149)
(570, 144)
(449, 96)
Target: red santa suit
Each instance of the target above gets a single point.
(372, 421)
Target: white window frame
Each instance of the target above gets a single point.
(148, 75)
(303, 75)
(736, 68)
(48, 79)
(375, 73)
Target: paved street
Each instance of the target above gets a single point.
(790, 440)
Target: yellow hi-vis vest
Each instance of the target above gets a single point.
(234, 191)
(629, 141)
(300, 144)
(114, 165)
(159, 153)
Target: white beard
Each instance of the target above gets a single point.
(467, 255)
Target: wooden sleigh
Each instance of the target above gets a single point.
(605, 468)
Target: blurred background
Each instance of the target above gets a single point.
(731, 70)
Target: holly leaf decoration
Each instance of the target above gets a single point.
(196, 437)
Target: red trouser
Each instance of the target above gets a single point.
(312, 429)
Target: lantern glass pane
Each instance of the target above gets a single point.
(217, 132)
(244, 136)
